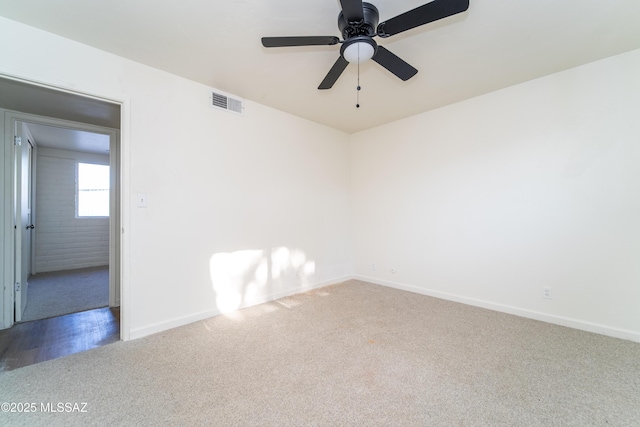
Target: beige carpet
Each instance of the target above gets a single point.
(350, 354)
(58, 293)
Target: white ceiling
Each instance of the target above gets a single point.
(69, 139)
(495, 44)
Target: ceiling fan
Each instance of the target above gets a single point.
(358, 23)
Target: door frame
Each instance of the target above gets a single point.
(10, 119)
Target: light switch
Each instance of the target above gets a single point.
(142, 200)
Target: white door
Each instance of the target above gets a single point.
(24, 226)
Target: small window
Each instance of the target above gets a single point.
(93, 190)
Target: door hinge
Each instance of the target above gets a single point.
(17, 140)
(17, 286)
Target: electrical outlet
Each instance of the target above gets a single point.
(373, 267)
(546, 292)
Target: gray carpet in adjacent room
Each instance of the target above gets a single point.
(62, 292)
(349, 354)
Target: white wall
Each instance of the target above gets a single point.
(63, 241)
(484, 201)
(241, 209)
(488, 200)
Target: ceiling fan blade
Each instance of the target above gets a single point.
(437, 9)
(334, 73)
(391, 62)
(352, 10)
(299, 41)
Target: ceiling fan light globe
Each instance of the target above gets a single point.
(358, 52)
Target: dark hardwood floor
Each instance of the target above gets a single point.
(32, 342)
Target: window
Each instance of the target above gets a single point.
(93, 190)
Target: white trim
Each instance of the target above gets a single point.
(125, 218)
(529, 314)
(6, 222)
(195, 317)
(59, 87)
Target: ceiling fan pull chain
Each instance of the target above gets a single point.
(358, 87)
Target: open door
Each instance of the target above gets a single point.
(23, 217)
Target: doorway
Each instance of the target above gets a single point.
(32, 105)
(69, 222)
(62, 232)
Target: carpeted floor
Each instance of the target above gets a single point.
(62, 292)
(349, 354)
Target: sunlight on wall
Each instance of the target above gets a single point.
(229, 274)
(246, 277)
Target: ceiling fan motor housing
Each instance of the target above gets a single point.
(366, 27)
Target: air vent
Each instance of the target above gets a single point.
(220, 100)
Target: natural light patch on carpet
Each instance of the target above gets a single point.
(288, 302)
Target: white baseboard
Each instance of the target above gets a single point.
(196, 317)
(171, 323)
(530, 314)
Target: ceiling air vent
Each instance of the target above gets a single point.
(220, 100)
